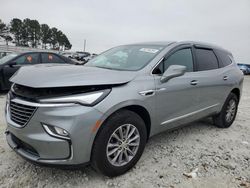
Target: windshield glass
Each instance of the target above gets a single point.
(7, 58)
(129, 57)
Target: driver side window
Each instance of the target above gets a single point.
(181, 57)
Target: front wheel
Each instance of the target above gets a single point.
(228, 113)
(119, 144)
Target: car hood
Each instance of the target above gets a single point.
(46, 76)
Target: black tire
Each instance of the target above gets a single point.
(99, 159)
(220, 119)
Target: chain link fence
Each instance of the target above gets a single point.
(9, 49)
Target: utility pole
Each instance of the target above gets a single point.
(84, 45)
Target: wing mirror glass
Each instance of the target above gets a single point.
(173, 71)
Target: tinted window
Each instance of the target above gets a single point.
(27, 59)
(206, 59)
(224, 58)
(51, 58)
(181, 57)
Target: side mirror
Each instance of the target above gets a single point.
(12, 63)
(173, 71)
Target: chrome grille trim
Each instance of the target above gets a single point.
(20, 113)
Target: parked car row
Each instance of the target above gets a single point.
(81, 57)
(9, 64)
(245, 68)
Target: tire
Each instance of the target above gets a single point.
(122, 120)
(222, 120)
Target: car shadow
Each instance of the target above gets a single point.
(3, 92)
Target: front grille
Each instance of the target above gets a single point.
(20, 113)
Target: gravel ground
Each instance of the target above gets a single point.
(216, 157)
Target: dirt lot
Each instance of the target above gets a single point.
(220, 157)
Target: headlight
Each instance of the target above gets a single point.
(87, 99)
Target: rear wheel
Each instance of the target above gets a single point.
(119, 144)
(228, 113)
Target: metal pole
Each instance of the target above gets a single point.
(84, 44)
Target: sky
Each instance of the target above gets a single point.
(108, 23)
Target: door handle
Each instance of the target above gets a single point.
(147, 93)
(225, 77)
(194, 82)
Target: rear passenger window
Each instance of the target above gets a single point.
(225, 60)
(206, 59)
(51, 58)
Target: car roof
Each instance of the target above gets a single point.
(196, 43)
(35, 52)
(160, 43)
(203, 45)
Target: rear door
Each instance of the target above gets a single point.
(212, 80)
(23, 60)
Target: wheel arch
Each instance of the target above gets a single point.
(143, 113)
(136, 108)
(139, 109)
(236, 91)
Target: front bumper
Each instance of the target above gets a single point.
(34, 143)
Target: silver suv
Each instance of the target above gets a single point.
(103, 113)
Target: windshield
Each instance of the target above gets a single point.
(129, 57)
(7, 58)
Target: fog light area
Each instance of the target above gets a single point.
(56, 131)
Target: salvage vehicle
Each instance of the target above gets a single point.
(103, 113)
(244, 68)
(11, 63)
(79, 56)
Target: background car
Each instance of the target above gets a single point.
(87, 58)
(2, 54)
(81, 55)
(244, 68)
(12, 62)
(68, 54)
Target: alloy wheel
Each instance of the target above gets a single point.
(231, 110)
(123, 145)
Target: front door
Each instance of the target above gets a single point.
(177, 99)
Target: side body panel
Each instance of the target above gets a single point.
(175, 99)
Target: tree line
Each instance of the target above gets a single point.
(30, 33)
